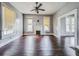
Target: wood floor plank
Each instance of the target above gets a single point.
(26, 47)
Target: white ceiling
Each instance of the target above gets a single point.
(26, 7)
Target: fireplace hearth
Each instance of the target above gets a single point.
(37, 32)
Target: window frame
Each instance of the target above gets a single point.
(70, 24)
(59, 25)
(28, 24)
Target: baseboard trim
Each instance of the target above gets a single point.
(5, 42)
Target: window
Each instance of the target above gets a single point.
(70, 23)
(70, 41)
(9, 18)
(68, 26)
(29, 25)
(46, 24)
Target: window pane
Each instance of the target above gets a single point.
(29, 28)
(73, 28)
(46, 23)
(72, 41)
(73, 24)
(67, 21)
(67, 24)
(4, 32)
(29, 21)
(70, 24)
(46, 28)
(73, 20)
(67, 28)
(29, 25)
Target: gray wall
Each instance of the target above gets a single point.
(0, 22)
(35, 18)
(65, 9)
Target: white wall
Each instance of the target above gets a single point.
(18, 27)
(65, 9)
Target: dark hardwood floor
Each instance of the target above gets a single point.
(32, 46)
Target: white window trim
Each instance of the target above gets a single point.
(65, 15)
(32, 25)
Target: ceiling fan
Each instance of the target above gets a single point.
(37, 8)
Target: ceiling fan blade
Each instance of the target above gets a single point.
(36, 2)
(32, 9)
(39, 5)
(42, 9)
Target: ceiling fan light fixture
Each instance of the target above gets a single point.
(37, 8)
